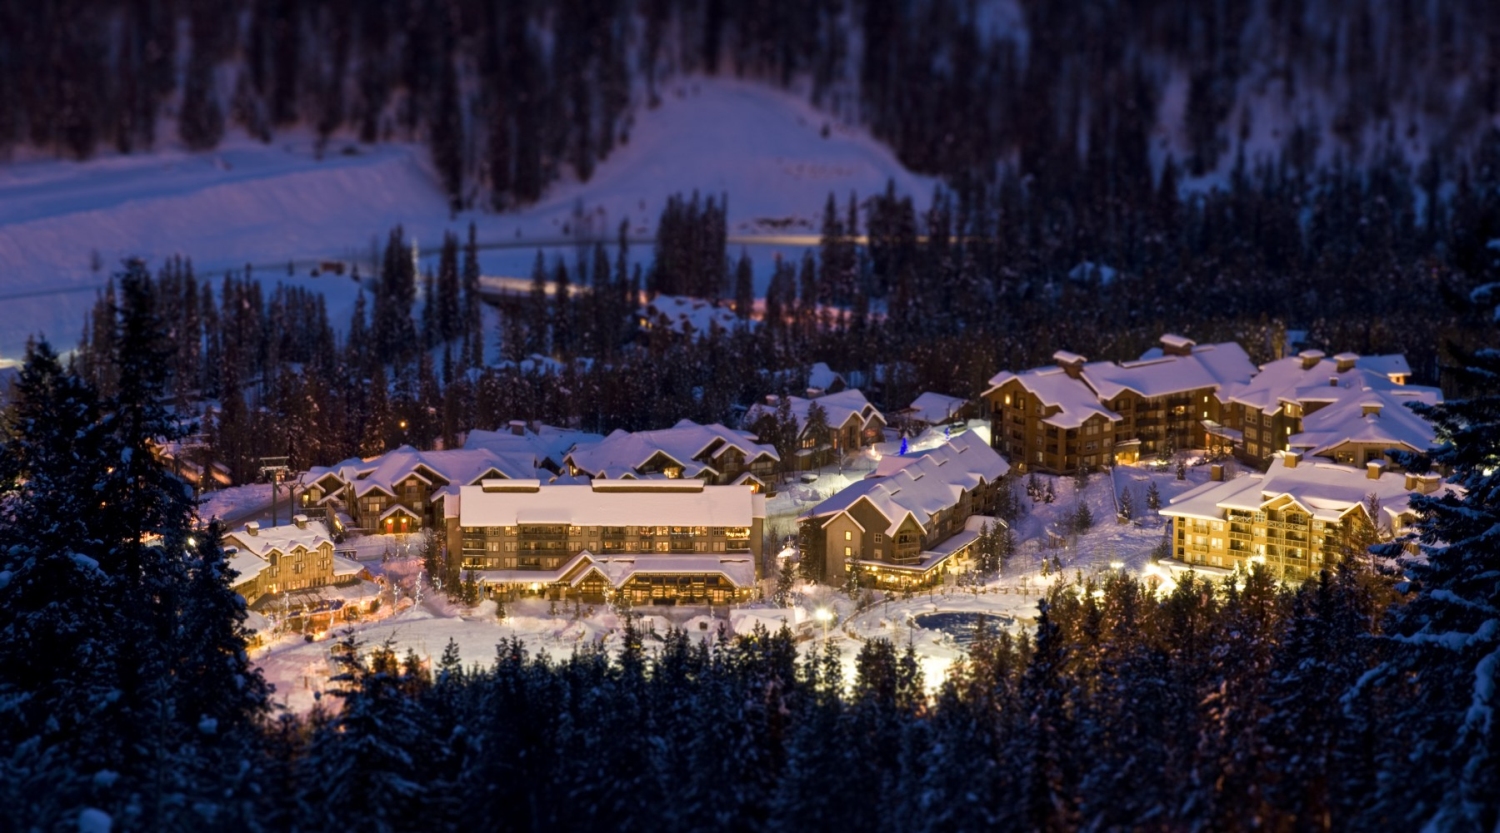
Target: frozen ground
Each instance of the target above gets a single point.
(299, 669)
(247, 202)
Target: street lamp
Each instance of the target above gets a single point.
(825, 616)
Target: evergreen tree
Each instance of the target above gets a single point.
(1153, 497)
(1127, 505)
(744, 287)
(786, 580)
(1440, 658)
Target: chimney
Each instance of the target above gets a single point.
(518, 427)
(1346, 361)
(773, 400)
(814, 393)
(1072, 363)
(1175, 345)
(1216, 472)
(1369, 408)
(1291, 458)
(252, 529)
(300, 521)
(1411, 482)
(1374, 468)
(1428, 483)
(1310, 358)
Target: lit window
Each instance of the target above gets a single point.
(848, 551)
(848, 536)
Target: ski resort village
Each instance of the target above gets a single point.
(823, 514)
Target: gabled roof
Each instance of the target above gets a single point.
(462, 466)
(1309, 377)
(1076, 401)
(934, 408)
(840, 407)
(1159, 374)
(684, 443)
(823, 377)
(933, 482)
(1325, 490)
(1368, 416)
(281, 539)
(549, 445)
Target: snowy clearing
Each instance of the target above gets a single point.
(248, 202)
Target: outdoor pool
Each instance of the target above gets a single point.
(959, 625)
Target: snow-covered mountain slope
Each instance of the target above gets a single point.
(267, 204)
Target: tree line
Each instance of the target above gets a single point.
(987, 277)
(510, 96)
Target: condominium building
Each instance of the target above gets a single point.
(1084, 415)
(661, 541)
(1302, 514)
(1349, 408)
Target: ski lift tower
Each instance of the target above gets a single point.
(273, 470)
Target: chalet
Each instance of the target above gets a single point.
(660, 541)
(931, 409)
(1299, 516)
(294, 565)
(850, 424)
(712, 453)
(910, 521)
(403, 491)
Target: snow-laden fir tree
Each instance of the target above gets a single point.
(1442, 648)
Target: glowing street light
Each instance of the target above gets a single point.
(1117, 565)
(825, 616)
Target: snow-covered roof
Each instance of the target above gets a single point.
(1368, 416)
(1327, 491)
(1160, 374)
(1075, 400)
(546, 443)
(839, 407)
(1310, 377)
(685, 315)
(622, 452)
(283, 538)
(823, 377)
(934, 408)
(1393, 366)
(620, 568)
(933, 482)
(437, 468)
(610, 503)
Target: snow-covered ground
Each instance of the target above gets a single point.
(299, 668)
(247, 202)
